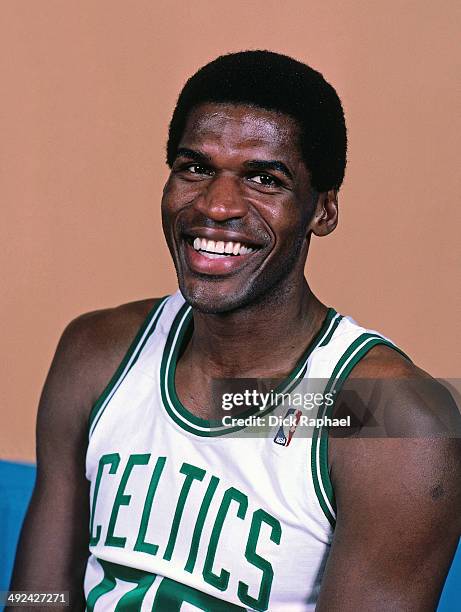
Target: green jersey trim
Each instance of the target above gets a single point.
(319, 450)
(180, 332)
(128, 361)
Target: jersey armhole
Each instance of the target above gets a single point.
(126, 364)
(319, 450)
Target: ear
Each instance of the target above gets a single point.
(325, 217)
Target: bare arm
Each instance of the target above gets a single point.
(54, 540)
(53, 547)
(398, 516)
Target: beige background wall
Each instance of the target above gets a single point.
(87, 91)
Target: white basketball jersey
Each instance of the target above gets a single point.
(189, 514)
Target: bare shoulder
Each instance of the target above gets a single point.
(396, 480)
(407, 429)
(107, 331)
(382, 361)
(98, 340)
(88, 353)
(398, 398)
(92, 345)
(408, 433)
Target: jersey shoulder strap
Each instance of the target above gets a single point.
(131, 356)
(349, 345)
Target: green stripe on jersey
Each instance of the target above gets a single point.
(180, 331)
(126, 364)
(319, 451)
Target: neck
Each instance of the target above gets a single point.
(264, 339)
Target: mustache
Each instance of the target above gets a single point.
(240, 226)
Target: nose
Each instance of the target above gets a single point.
(221, 200)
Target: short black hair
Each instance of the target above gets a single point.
(279, 83)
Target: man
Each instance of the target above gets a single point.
(179, 507)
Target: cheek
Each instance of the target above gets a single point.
(178, 194)
(171, 197)
(168, 209)
(287, 223)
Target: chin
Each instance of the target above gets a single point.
(209, 302)
(220, 295)
(207, 298)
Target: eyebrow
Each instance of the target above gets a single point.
(273, 164)
(194, 155)
(253, 164)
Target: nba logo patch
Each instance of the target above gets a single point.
(291, 417)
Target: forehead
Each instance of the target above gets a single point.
(241, 127)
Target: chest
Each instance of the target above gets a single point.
(221, 513)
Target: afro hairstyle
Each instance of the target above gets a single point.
(279, 83)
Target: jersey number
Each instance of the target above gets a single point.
(169, 597)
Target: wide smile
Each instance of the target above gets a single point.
(217, 257)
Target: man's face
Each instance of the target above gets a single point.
(236, 206)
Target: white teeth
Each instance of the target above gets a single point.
(213, 255)
(220, 247)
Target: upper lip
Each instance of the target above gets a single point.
(225, 236)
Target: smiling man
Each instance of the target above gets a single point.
(147, 498)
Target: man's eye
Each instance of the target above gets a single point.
(265, 179)
(199, 169)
